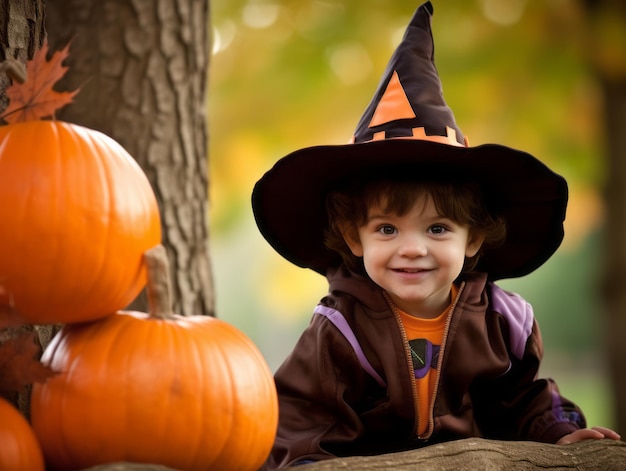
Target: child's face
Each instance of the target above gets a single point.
(414, 257)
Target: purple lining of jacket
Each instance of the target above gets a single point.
(517, 311)
(519, 315)
(341, 323)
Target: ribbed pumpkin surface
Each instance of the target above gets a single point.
(77, 215)
(187, 392)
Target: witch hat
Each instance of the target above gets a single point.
(408, 129)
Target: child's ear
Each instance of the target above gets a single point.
(352, 241)
(474, 244)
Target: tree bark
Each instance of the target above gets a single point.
(21, 31)
(142, 67)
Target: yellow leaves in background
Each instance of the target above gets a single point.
(585, 215)
(607, 40)
(291, 291)
(236, 164)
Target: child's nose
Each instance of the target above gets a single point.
(413, 246)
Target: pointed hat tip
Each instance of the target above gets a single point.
(410, 94)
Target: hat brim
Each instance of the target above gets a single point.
(289, 200)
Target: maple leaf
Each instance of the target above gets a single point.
(35, 98)
(19, 366)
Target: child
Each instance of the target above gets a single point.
(414, 343)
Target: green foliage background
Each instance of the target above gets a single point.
(295, 73)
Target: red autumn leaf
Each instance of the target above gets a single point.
(19, 366)
(35, 99)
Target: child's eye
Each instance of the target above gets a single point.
(386, 229)
(438, 229)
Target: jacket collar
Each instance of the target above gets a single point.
(342, 280)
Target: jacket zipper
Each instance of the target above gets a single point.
(444, 340)
(407, 352)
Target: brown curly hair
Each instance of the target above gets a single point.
(462, 202)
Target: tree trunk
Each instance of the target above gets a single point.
(141, 66)
(615, 112)
(606, 44)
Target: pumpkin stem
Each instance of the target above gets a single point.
(158, 271)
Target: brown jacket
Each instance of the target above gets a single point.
(348, 387)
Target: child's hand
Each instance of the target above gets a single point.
(594, 433)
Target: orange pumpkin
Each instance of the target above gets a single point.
(77, 215)
(19, 448)
(186, 392)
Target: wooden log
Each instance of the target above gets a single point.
(469, 454)
(491, 455)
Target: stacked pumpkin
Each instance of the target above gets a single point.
(19, 448)
(81, 234)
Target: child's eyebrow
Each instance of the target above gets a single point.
(432, 219)
(377, 215)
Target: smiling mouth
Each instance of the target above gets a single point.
(411, 270)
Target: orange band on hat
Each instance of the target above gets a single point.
(420, 133)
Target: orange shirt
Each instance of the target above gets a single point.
(425, 336)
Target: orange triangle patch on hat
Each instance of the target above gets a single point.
(393, 105)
